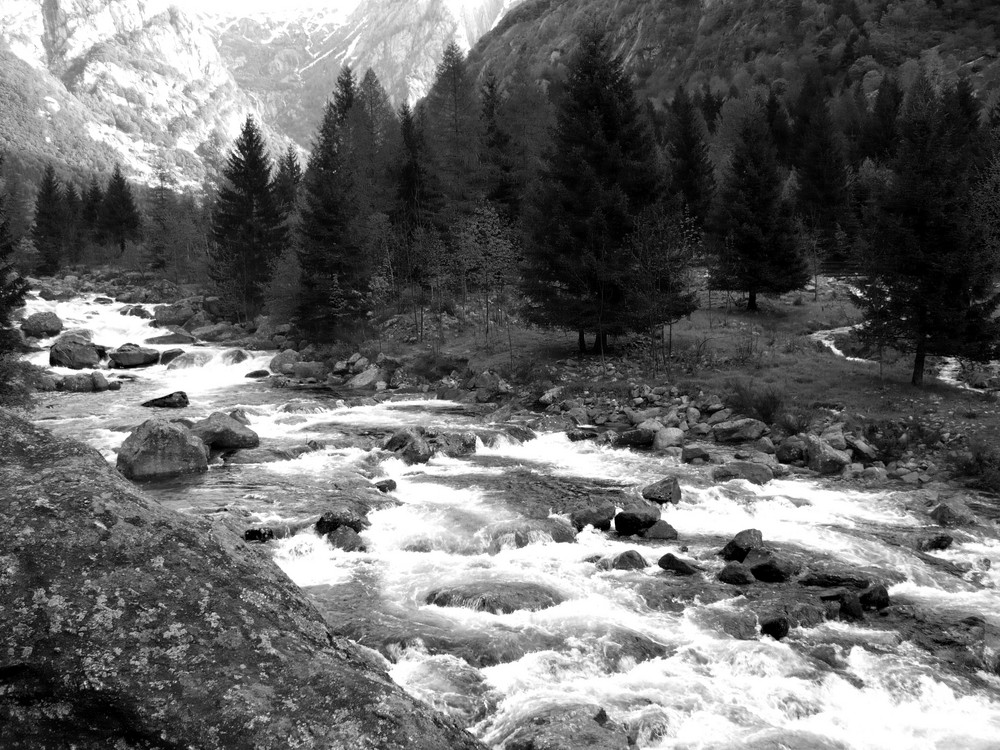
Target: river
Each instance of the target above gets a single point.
(657, 654)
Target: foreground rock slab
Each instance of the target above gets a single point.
(129, 625)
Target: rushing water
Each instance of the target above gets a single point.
(663, 664)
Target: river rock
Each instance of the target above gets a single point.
(627, 560)
(568, 728)
(222, 432)
(739, 431)
(411, 444)
(136, 311)
(516, 534)
(128, 356)
(346, 539)
(824, 575)
(176, 337)
(287, 357)
(223, 650)
(100, 382)
(694, 454)
(668, 437)
(497, 597)
(736, 574)
(667, 490)
(748, 470)
(661, 530)
(635, 521)
(385, 485)
(257, 374)
(190, 359)
(739, 546)
(75, 350)
(168, 356)
(875, 597)
(637, 438)
(306, 370)
(234, 356)
(824, 458)
(41, 325)
(158, 449)
(792, 450)
(175, 400)
(78, 382)
(953, 513)
(596, 513)
(342, 515)
(769, 567)
(678, 565)
(217, 332)
(777, 627)
(172, 315)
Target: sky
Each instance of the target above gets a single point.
(237, 7)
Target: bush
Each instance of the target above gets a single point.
(761, 401)
(980, 465)
(17, 382)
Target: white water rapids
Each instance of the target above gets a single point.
(660, 663)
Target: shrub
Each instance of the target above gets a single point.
(17, 382)
(761, 401)
(980, 465)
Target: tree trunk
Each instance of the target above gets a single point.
(752, 301)
(582, 342)
(600, 342)
(918, 364)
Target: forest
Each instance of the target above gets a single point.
(574, 205)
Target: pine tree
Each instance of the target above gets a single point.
(452, 131)
(93, 199)
(287, 181)
(163, 214)
(757, 250)
(496, 150)
(691, 171)
(344, 94)
(332, 265)
(371, 143)
(247, 225)
(48, 232)
(878, 134)
(931, 263)
(824, 189)
(13, 288)
(599, 173)
(73, 227)
(119, 218)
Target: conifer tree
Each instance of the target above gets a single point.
(599, 173)
(931, 261)
(691, 173)
(13, 288)
(371, 142)
(496, 150)
(48, 232)
(93, 199)
(452, 132)
(878, 134)
(247, 226)
(287, 181)
(72, 229)
(344, 94)
(330, 256)
(756, 247)
(119, 218)
(162, 214)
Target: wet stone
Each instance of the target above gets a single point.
(599, 515)
(740, 545)
(736, 574)
(667, 490)
(630, 522)
(628, 560)
(385, 485)
(875, 597)
(776, 627)
(175, 400)
(346, 539)
(678, 565)
(769, 567)
(496, 597)
(661, 530)
(342, 516)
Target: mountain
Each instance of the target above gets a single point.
(91, 82)
(289, 60)
(721, 43)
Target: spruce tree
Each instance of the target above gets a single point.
(599, 173)
(163, 214)
(371, 142)
(344, 94)
(119, 217)
(756, 247)
(691, 173)
(13, 288)
(878, 134)
(496, 150)
(48, 232)
(333, 271)
(247, 226)
(931, 263)
(93, 199)
(287, 181)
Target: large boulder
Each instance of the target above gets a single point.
(172, 315)
(190, 359)
(411, 444)
(78, 382)
(597, 513)
(824, 458)
(748, 470)
(739, 546)
(158, 449)
(132, 355)
(366, 379)
(221, 432)
(127, 624)
(792, 450)
(496, 596)
(635, 520)
(287, 357)
(306, 370)
(41, 325)
(570, 727)
(75, 350)
(667, 490)
(175, 400)
(739, 431)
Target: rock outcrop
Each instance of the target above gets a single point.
(127, 624)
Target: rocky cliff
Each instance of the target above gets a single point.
(91, 82)
(290, 61)
(128, 625)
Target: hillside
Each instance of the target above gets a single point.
(720, 43)
(289, 62)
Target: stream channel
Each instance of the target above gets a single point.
(680, 662)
